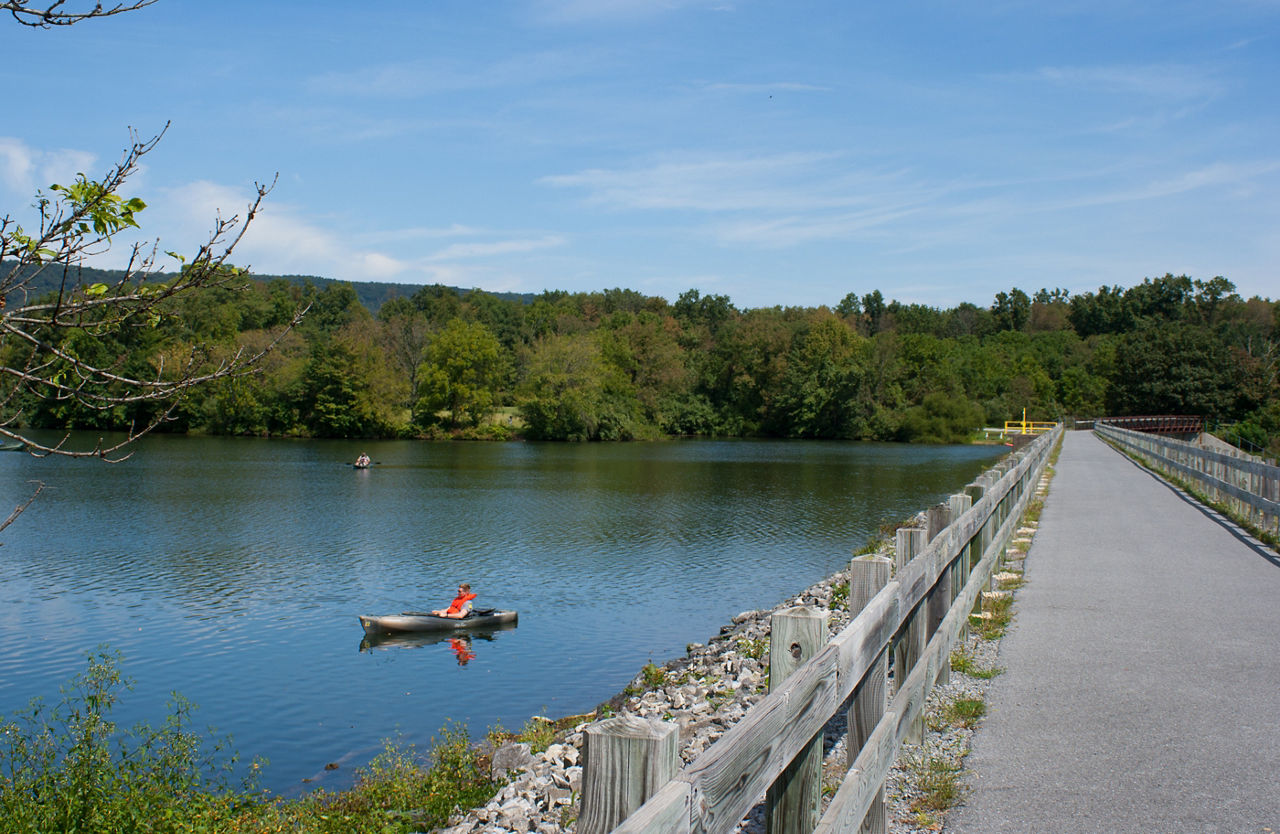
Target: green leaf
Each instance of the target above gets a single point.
(95, 289)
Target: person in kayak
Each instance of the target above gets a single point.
(461, 605)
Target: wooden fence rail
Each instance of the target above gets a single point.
(921, 610)
(1249, 488)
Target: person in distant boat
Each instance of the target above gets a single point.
(461, 605)
(363, 460)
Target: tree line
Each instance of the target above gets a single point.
(619, 365)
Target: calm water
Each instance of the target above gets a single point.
(232, 571)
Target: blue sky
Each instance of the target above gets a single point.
(778, 153)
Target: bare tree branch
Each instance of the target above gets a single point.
(48, 14)
(42, 339)
(18, 510)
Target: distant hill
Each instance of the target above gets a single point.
(372, 294)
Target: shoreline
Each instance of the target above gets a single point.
(710, 688)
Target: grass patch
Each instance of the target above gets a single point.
(873, 545)
(395, 793)
(840, 595)
(938, 781)
(995, 616)
(538, 732)
(964, 663)
(1010, 580)
(965, 712)
(755, 649)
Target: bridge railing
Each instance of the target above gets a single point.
(1249, 489)
(630, 783)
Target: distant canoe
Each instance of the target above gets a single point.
(420, 621)
(16, 446)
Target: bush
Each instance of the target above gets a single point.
(941, 419)
(394, 794)
(71, 768)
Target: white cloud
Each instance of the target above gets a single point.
(779, 182)
(1163, 81)
(24, 169)
(765, 87)
(410, 79)
(501, 247)
(617, 11)
(283, 239)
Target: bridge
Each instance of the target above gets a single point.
(1141, 685)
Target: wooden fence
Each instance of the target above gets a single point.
(1249, 489)
(630, 783)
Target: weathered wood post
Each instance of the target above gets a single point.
(911, 541)
(936, 519)
(867, 575)
(793, 803)
(625, 761)
(959, 504)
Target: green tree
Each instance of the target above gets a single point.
(571, 393)
(941, 418)
(460, 374)
(330, 403)
(1012, 310)
(1171, 368)
(822, 383)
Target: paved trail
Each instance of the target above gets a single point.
(1142, 691)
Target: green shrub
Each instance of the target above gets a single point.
(395, 794)
(69, 767)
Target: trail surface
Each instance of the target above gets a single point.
(1142, 691)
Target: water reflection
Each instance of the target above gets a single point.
(460, 643)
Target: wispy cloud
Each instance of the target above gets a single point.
(1238, 177)
(415, 78)
(776, 182)
(612, 11)
(1162, 81)
(24, 169)
(765, 87)
(492, 248)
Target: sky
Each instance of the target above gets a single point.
(778, 153)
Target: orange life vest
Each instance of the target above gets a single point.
(458, 602)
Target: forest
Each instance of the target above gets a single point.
(439, 362)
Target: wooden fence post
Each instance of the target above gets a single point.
(867, 575)
(911, 541)
(960, 504)
(793, 803)
(625, 761)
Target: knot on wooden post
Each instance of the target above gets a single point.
(797, 652)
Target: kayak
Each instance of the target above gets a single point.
(414, 639)
(422, 621)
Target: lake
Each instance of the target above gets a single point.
(232, 570)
